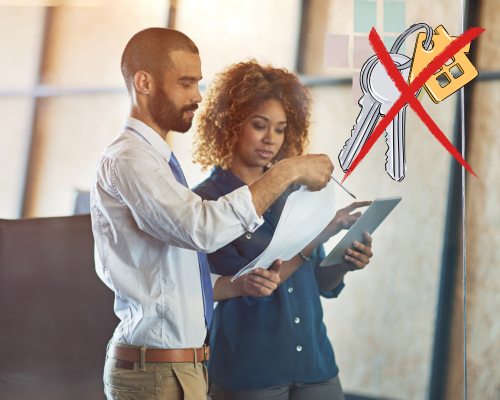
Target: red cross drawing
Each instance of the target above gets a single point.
(408, 93)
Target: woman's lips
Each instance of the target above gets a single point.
(265, 153)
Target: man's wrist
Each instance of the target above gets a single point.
(224, 289)
(287, 169)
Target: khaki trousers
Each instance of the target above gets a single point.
(158, 381)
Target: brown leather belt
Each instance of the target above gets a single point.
(133, 354)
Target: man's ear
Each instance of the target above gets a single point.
(143, 82)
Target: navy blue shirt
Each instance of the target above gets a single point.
(277, 340)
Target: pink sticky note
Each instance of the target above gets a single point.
(356, 88)
(336, 51)
(362, 50)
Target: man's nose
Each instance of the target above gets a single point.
(197, 95)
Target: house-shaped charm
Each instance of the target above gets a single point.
(454, 74)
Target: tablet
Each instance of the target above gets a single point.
(368, 222)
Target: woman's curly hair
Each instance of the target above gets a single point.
(234, 95)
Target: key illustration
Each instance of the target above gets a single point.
(379, 94)
(382, 89)
(383, 99)
(454, 74)
(366, 120)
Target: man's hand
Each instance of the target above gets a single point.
(343, 220)
(260, 282)
(313, 170)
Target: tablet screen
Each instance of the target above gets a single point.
(368, 222)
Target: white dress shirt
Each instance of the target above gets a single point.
(147, 229)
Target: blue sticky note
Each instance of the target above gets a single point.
(394, 16)
(365, 15)
(389, 41)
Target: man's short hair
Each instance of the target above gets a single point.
(149, 50)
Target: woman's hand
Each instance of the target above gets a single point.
(344, 219)
(358, 256)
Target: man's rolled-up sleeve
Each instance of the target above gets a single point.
(169, 211)
(242, 205)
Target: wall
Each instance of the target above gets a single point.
(63, 85)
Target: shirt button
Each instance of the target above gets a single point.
(290, 289)
(248, 235)
(296, 320)
(298, 348)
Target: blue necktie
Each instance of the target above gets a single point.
(206, 282)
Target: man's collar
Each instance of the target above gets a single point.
(148, 134)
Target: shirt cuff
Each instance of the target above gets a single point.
(332, 293)
(213, 278)
(242, 205)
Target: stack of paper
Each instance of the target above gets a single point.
(304, 216)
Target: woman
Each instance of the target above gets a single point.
(275, 347)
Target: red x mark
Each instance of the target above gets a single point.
(408, 93)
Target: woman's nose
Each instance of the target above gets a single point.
(270, 136)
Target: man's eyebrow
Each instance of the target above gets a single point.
(190, 78)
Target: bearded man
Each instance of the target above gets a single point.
(151, 232)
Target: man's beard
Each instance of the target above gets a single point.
(166, 115)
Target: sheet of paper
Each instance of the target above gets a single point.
(304, 216)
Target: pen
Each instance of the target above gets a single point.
(338, 183)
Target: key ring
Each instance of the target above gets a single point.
(401, 38)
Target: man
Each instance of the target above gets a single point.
(151, 231)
